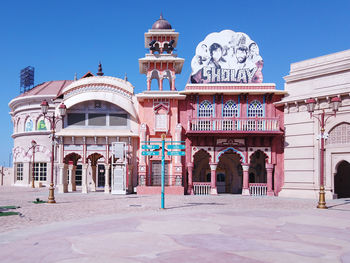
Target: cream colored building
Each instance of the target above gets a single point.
(321, 78)
(101, 111)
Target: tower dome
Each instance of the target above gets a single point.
(161, 23)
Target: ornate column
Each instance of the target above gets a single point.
(62, 186)
(84, 185)
(245, 188)
(70, 184)
(178, 164)
(190, 178)
(160, 81)
(142, 164)
(107, 166)
(149, 83)
(93, 175)
(213, 190)
(269, 169)
(173, 82)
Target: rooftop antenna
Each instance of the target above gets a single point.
(26, 79)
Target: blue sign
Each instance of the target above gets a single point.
(150, 147)
(149, 153)
(176, 153)
(176, 147)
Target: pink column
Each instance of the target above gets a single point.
(142, 165)
(160, 81)
(149, 83)
(173, 83)
(190, 178)
(213, 190)
(269, 169)
(245, 189)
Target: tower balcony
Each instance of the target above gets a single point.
(231, 125)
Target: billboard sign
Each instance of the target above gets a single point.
(227, 57)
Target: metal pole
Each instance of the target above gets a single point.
(163, 174)
(322, 199)
(52, 189)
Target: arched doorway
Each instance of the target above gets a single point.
(229, 173)
(257, 167)
(201, 167)
(94, 162)
(342, 180)
(74, 170)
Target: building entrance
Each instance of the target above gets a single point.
(157, 173)
(229, 173)
(342, 180)
(101, 175)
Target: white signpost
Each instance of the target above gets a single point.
(119, 161)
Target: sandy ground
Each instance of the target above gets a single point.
(98, 227)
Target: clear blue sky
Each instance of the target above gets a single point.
(62, 37)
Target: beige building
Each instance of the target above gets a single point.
(321, 78)
(101, 114)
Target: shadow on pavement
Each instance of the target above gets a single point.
(346, 202)
(194, 204)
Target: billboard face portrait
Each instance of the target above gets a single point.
(227, 57)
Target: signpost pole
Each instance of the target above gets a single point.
(163, 172)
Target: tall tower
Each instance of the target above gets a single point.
(159, 110)
(161, 63)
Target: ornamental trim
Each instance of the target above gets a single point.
(98, 88)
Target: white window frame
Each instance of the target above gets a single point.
(255, 109)
(19, 171)
(205, 109)
(40, 172)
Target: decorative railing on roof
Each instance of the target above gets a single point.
(256, 124)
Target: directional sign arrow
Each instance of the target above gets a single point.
(150, 146)
(149, 153)
(176, 147)
(177, 153)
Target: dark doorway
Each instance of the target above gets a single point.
(157, 173)
(78, 174)
(342, 180)
(101, 175)
(201, 168)
(229, 173)
(257, 169)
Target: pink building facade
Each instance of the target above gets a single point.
(234, 138)
(233, 132)
(159, 110)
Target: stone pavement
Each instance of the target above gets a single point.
(225, 228)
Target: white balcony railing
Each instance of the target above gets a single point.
(201, 188)
(258, 189)
(233, 124)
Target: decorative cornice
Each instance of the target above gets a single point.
(29, 134)
(97, 88)
(101, 81)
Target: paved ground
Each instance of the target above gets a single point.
(225, 228)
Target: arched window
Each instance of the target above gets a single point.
(29, 126)
(230, 109)
(340, 134)
(42, 124)
(205, 109)
(255, 109)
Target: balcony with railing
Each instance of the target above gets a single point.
(237, 125)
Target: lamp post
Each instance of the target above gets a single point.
(53, 121)
(335, 102)
(33, 143)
